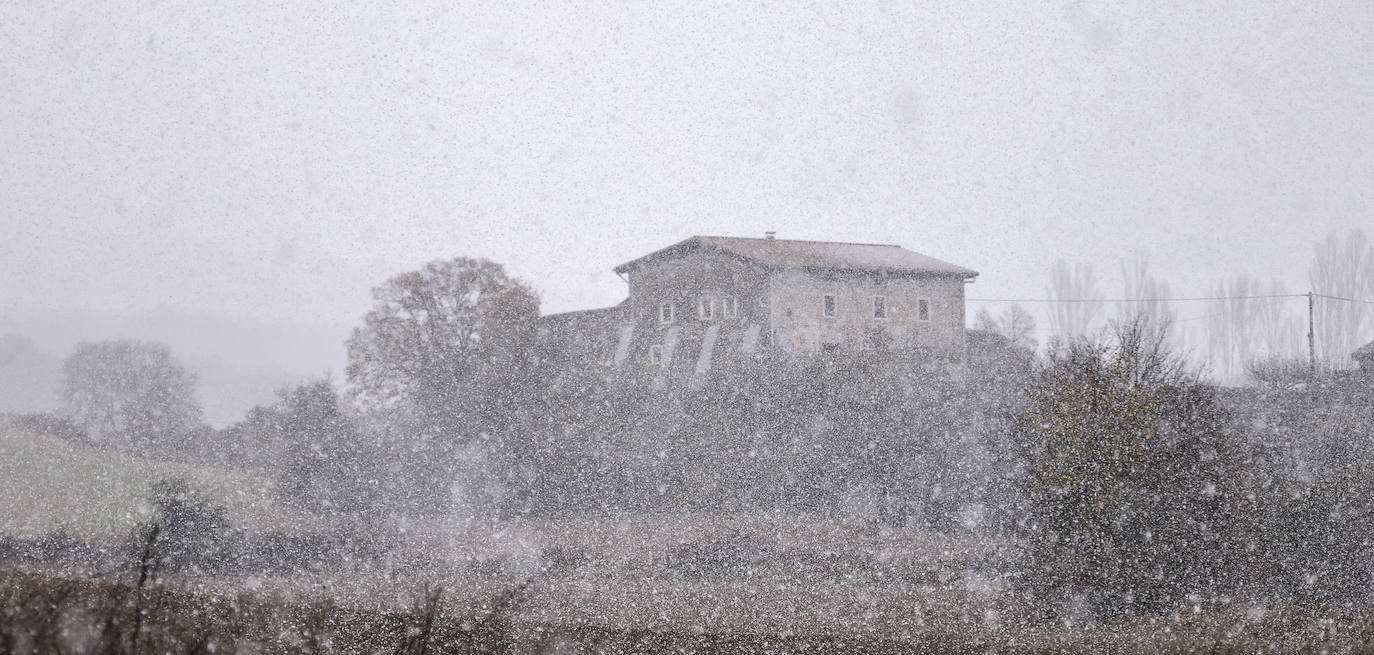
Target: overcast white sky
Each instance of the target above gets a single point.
(272, 161)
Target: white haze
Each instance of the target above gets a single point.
(197, 200)
(272, 162)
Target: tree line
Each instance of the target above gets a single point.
(1134, 485)
(1245, 322)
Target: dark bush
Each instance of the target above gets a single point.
(1314, 549)
(193, 533)
(1128, 478)
(735, 554)
(56, 546)
(284, 553)
(48, 425)
(562, 558)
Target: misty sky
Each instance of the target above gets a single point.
(273, 161)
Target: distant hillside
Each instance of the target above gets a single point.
(47, 484)
(240, 342)
(226, 392)
(239, 362)
(29, 378)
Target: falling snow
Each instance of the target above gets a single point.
(384, 329)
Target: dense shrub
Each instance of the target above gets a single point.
(58, 546)
(1128, 477)
(285, 553)
(188, 533)
(1308, 517)
(48, 425)
(322, 459)
(733, 555)
(41, 614)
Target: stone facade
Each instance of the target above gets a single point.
(669, 312)
(711, 297)
(908, 311)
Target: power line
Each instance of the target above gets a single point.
(1311, 315)
(1195, 299)
(1197, 318)
(1088, 300)
(1321, 295)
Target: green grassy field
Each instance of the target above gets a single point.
(47, 484)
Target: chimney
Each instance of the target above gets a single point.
(769, 235)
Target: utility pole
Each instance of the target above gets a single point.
(1311, 340)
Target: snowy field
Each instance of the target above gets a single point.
(50, 484)
(696, 576)
(640, 571)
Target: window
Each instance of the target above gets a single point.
(828, 306)
(879, 306)
(665, 313)
(728, 308)
(655, 354)
(705, 309)
(923, 310)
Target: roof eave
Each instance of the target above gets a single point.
(698, 241)
(705, 242)
(965, 274)
(635, 263)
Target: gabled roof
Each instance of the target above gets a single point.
(788, 253)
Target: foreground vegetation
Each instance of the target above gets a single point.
(49, 484)
(42, 613)
(1097, 496)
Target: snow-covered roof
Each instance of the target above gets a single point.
(789, 253)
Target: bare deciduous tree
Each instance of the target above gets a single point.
(1147, 296)
(131, 392)
(1343, 267)
(1231, 326)
(1014, 323)
(1279, 330)
(1249, 324)
(1078, 300)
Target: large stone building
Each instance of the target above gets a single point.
(705, 298)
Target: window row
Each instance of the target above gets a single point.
(707, 309)
(727, 307)
(830, 307)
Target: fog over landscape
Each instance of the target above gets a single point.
(255, 161)
(871, 327)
